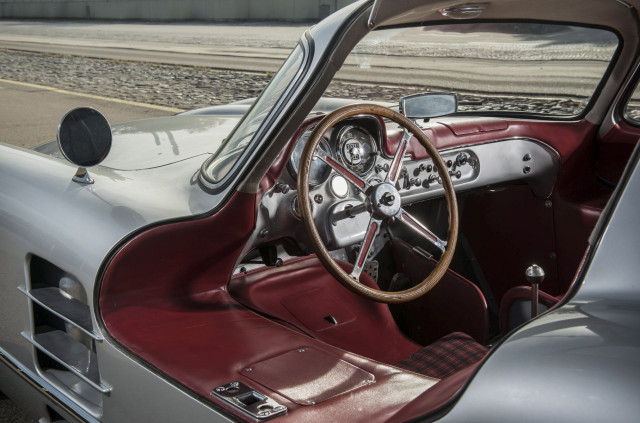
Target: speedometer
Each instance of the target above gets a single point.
(356, 149)
(319, 170)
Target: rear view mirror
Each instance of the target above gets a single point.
(428, 105)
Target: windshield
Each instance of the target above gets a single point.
(493, 67)
(252, 121)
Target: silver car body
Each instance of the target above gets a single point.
(580, 360)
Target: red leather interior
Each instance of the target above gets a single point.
(565, 137)
(438, 396)
(211, 346)
(614, 150)
(163, 298)
(522, 292)
(574, 221)
(453, 305)
(446, 356)
(307, 374)
(303, 293)
(509, 230)
(183, 261)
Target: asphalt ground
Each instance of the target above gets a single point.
(30, 112)
(11, 413)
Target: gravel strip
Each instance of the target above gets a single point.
(179, 87)
(184, 87)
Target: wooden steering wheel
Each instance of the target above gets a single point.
(382, 202)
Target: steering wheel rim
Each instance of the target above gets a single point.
(351, 281)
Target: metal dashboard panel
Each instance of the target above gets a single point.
(497, 162)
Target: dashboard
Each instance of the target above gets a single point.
(361, 144)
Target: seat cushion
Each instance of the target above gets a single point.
(445, 357)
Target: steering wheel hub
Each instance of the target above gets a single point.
(383, 201)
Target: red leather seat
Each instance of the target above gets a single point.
(448, 355)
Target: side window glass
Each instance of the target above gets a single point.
(632, 109)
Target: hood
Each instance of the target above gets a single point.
(157, 142)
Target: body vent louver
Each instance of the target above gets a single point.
(63, 334)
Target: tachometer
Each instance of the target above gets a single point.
(357, 149)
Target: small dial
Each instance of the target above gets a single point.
(357, 149)
(319, 170)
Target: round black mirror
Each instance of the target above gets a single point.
(84, 136)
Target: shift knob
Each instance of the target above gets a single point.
(534, 274)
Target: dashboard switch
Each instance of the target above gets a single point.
(415, 182)
(379, 168)
(282, 188)
(461, 159)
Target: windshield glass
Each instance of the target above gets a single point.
(233, 146)
(493, 67)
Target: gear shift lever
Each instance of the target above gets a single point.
(534, 275)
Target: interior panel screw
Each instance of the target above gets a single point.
(526, 157)
(526, 170)
(318, 198)
(548, 204)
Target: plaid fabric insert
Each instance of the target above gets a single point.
(444, 357)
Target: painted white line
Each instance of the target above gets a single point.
(94, 97)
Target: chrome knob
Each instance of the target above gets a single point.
(282, 188)
(461, 159)
(534, 274)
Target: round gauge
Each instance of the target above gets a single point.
(357, 149)
(319, 170)
(339, 186)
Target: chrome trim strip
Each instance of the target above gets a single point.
(45, 388)
(266, 126)
(374, 13)
(103, 388)
(66, 319)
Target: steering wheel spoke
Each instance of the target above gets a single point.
(421, 229)
(346, 173)
(372, 231)
(396, 164)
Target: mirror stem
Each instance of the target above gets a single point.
(82, 176)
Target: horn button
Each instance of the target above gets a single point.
(383, 201)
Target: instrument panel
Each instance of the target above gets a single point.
(354, 142)
(356, 149)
